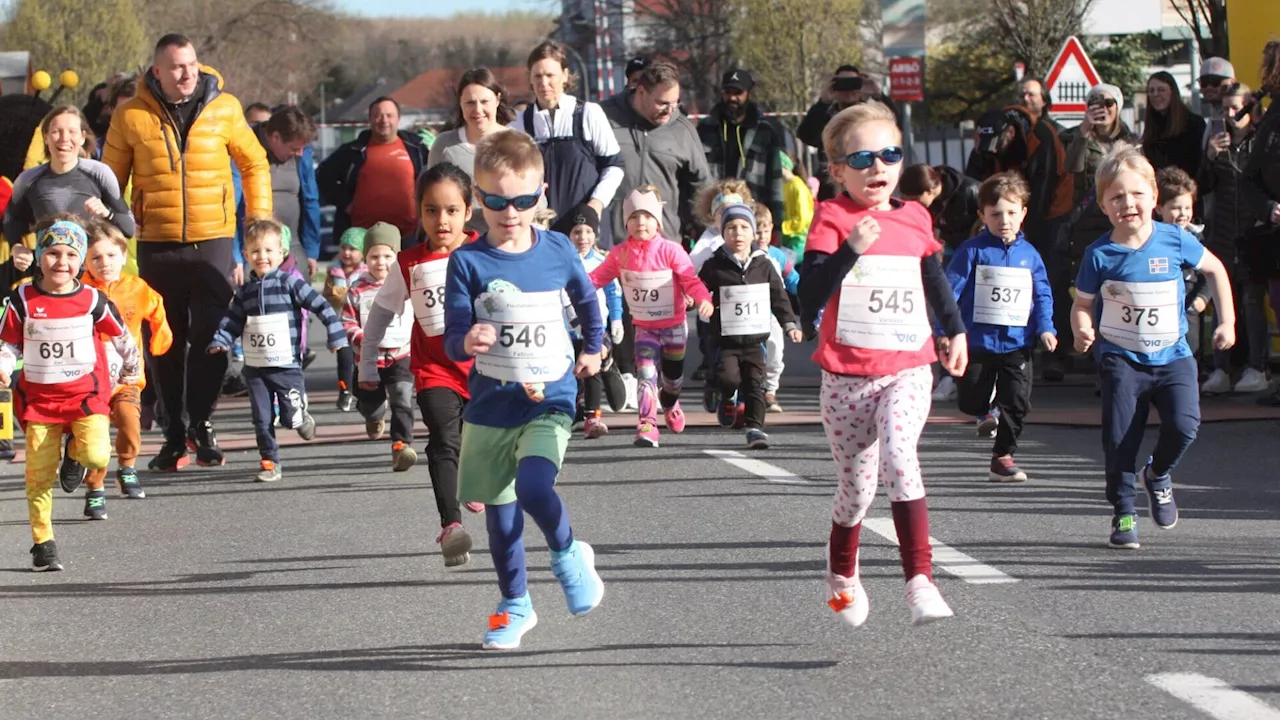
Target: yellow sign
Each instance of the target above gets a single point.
(1250, 24)
(6, 414)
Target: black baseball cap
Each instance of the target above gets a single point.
(740, 80)
(989, 126)
(637, 64)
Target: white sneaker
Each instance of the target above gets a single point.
(1251, 381)
(946, 389)
(1217, 383)
(848, 599)
(633, 398)
(926, 602)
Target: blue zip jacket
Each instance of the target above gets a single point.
(987, 249)
(308, 226)
(278, 292)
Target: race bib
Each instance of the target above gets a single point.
(650, 295)
(744, 309)
(398, 330)
(532, 345)
(266, 341)
(426, 294)
(1002, 296)
(115, 363)
(56, 351)
(882, 305)
(1142, 317)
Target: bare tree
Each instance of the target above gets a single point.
(1034, 30)
(1199, 14)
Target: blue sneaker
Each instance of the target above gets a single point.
(575, 568)
(1164, 511)
(1124, 532)
(726, 414)
(710, 399)
(509, 623)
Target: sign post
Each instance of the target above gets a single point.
(906, 85)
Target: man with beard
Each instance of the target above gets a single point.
(741, 143)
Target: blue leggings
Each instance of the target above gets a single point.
(536, 495)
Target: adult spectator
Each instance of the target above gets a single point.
(659, 147)
(1217, 80)
(370, 179)
(635, 66)
(1171, 133)
(740, 142)
(955, 209)
(1033, 96)
(845, 88)
(482, 109)
(287, 135)
(1234, 207)
(1017, 142)
(257, 113)
(579, 149)
(1263, 172)
(1100, 130)
(174, 138)
(70, 182)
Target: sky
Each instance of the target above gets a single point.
(438, 8)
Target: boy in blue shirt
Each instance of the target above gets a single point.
(503, 307)
(1003, 291)
(1130, 288)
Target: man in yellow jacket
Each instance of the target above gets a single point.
(174, 139)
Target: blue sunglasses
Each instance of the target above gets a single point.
(864, 159)
(498, 203)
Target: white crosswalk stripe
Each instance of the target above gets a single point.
(1213, 697)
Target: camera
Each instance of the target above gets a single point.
(846, 84)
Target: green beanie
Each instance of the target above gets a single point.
(353, 238)
(787, 163)
(286, 238)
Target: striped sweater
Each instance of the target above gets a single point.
(278, 292)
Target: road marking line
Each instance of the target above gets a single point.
(946, 557)
(1213, 697)
(759, 468)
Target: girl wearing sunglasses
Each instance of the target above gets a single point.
(870, 269)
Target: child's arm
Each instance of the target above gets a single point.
(782, 307)
(960, 270)
(829, 256)
(232, 324)
(607, 272)
(161, 335)
(687, 279)
(375, 329)
(613, 300)
(306, 297)
(955, 357)
(1042, 305)
(459, 314)
(351, 319)
(582, 293)
(108, 321)
(1224, 336)
(1088, 284)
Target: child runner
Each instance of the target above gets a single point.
(503, 308)
(747, 292)
(268, 310)
(342, 273)
(137, 303)
(583, 234)
(444, 206)
(707, 204)
(869, 268)
(784, 262)
(1002, 288)
(386, 382)
(656, 276)
(1177, 198)
(1130, 287)
(63, 387)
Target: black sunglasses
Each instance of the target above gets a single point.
(864, 159)
(498, 203)
(1107, 103)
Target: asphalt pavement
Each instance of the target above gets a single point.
(324, 596)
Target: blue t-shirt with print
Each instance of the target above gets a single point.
(1139, 294)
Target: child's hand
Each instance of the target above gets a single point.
(366, 385)
(479, 339)
(616, 331)
(217, 349)
(1084, 339)
(22, 257)
(94, 207)
(688, 302)
(587, 365)
(4, 379)
(706, 309)
(942, 345)
(795, 335)
(1049, 340)
(864, 234)
(1224, 337)
(333, 350)
(957, 358)
(1199, 304)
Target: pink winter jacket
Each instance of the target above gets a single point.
(650, 256)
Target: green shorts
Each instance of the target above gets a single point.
(489, 455)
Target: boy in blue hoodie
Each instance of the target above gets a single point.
(1003, 291)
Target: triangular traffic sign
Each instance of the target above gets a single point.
(1071, 75)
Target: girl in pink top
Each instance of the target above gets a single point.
(656, 277)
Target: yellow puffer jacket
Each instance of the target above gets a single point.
(186, 194)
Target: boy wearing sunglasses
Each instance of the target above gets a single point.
(503, 308)
(1002, 288)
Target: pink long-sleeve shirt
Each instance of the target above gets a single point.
(656, 275)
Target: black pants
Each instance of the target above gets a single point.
(624, 353)
(1010, 375)
(346, 368)
(194, 280)
(442, 412)
(742, 371)
(395, 388)
(284, 385)
(592, 386)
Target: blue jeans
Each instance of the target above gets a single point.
(1128, 392)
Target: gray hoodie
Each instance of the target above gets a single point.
(669, 157)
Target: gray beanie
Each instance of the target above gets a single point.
(1105, 89)
(738, 211)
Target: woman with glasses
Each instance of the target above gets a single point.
(1099, 132)
(579, 149)
(1171, 133)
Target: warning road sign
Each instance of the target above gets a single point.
(1071, 75)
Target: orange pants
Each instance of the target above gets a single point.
(126, 412)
